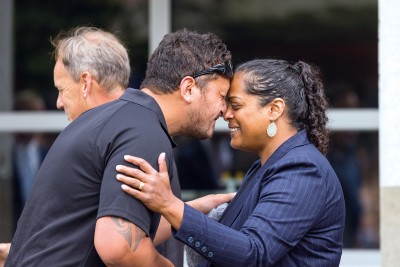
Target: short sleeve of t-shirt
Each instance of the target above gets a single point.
(132, 130)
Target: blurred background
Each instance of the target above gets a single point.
(340, 36)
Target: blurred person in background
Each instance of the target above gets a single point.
(28, 152)
(345, 161)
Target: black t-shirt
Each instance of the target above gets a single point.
(76, 183)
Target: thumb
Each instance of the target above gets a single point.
(162, 164)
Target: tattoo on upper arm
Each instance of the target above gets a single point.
(125, 229)
(138, 236)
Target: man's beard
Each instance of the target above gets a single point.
(196, 127)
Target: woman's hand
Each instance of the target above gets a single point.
(152, 188)
(207, 203)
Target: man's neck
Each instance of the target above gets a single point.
(171, 108)
(102, 97)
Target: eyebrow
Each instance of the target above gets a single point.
(233, 97)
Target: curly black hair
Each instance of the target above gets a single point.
(299, 85)
(183, 53)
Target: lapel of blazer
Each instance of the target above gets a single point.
(299, 139)
(255, 173)
(234, 208)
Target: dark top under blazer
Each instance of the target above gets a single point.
(76, 183)
(288, 212)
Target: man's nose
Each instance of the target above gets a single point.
(226, 115)
(59, 104)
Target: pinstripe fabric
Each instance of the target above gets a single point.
(288, 212)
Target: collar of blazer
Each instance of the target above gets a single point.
(255, 173)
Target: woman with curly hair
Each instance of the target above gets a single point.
(289, 210)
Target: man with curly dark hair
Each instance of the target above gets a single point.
(76, 214)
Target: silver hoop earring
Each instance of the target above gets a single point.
(272, 129)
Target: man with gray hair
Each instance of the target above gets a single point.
(92, 68)
(76, 199)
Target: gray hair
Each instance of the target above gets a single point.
(100, 53)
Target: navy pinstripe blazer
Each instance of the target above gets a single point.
(287, 212)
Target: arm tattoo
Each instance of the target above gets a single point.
(125, 229)
(138, 236)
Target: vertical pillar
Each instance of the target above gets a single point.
(6, 21)
(389, 130)
(159, 21)
(6, 77)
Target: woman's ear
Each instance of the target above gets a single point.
(276, 108)
(186, 88)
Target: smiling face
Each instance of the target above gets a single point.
(247, 121)
(70, 93)
(210, 106)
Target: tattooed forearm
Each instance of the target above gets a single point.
(125, 229)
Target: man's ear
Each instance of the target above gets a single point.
(275, 109)
(86, 79)
(187, 88)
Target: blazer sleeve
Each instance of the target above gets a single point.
(290, 201)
